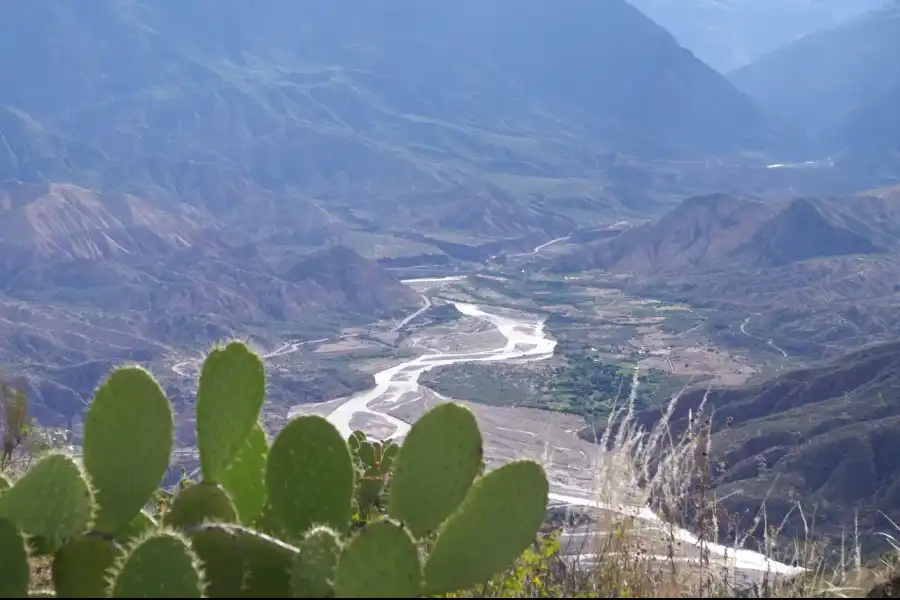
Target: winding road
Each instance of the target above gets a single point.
(768, 341)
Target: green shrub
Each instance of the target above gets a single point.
(311, 515)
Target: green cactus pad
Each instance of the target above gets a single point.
(496, 522)
(245, 477)
(313, 573)
(368, 488)
(128, 437)
(434, 468)
(39, 545)
(388, 455)
(268, 522)
(267, 561)
(379, 562)
(223, 564)
(51, 500)
(230, 394)
(199, 503)
(366, 453)
(14, 571)
(80, 566)
(161, 565)
(141, 523)
(309, 477)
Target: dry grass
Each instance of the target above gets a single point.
(640, 555)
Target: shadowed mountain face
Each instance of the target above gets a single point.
(823, 437)
(725, 232)
(404, 114)
(842, 84)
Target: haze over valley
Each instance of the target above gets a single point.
(587, 221)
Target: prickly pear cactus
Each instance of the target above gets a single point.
(161, 565)
(309, 477)
(79, 568)
(305, 488)
(128, 437)
(381, 561)
(141, 524)
(224, 568)
(14, 571)
(200, 503)
(229, 397)
(434, 468)
(52, 500)
(312, 575)
(368, 489)
(495, 524)
(245, 478)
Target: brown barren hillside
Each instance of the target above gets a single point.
(726, 232)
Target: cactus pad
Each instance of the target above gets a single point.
(14, 571)
(140, 524)
(230, 394)
(159, 566)
(80, 566)
(199, 503)
(366, 453)
(309, 477)
(222, 561)
(245, 477)
(368, 488)
(267, 562)
(434, 468)
(128, 437)
(387, 456)
(379, 562)
(313, 572)
(496, 522)
(51, 500)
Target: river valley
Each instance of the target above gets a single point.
(580, 474)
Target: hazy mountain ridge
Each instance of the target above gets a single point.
(727, 232)
(840, 83)
(372, 110)
(728, 34)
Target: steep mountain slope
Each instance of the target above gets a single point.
(377, 112)
(731, 33)
(822, 437)
(822, 79)
(726, 232)
(88, 280)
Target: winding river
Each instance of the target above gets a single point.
(523, 341)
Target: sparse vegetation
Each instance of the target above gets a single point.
(109, 530)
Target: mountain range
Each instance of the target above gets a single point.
(471, 117)
(841, 84)
(723, 232)
(817, 275)
(729, 34)
(174, 173)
